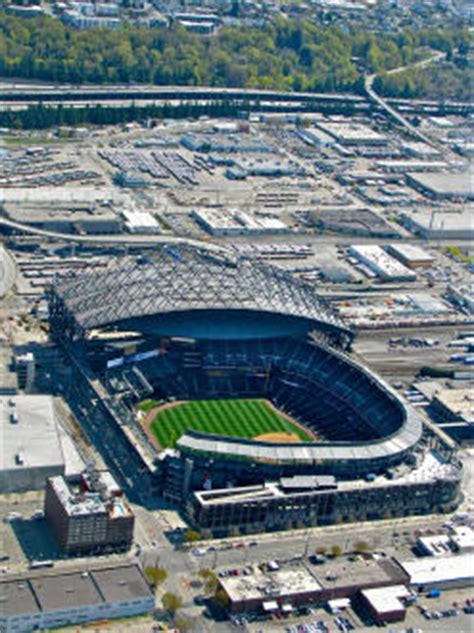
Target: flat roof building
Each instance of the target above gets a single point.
(444, 186)
(455, 404)
(140, 221)
(352, 133)
(223, 222)
(435, 225)
(382, 264)
(282, 587)
(436, 545)
(31, 448)
(462, 538)
(54, 600)
(444, 572)
(88, 513)
(411, 255)
(271, 590)
(462, 295)
(384, 604)
(64, 217)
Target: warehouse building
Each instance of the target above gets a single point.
(56, 600)
(31, 447)
(433, 225)
(411, 255)
(352, 133)
(462, 295)
(412, 166)
(271, 587)
(445, 572)
(70, 218)
(455, 405)
(88, 513)
(385, 267)
(140, 221)
(443, 186)
(353, 221)
(222, 222)
(385, 604)
(418, 149)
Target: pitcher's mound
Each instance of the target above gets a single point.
(278, 437)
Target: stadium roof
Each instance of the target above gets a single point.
(183, 279)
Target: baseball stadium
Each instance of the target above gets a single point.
(238, 379)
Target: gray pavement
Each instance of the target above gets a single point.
(7, 271)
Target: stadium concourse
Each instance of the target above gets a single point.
(196, 324)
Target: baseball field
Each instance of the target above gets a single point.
(253, 419)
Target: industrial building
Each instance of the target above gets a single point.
(65, 218)
(418, 149)
(315, 136)
(224, 143)
(433, 225)
(445, 572)
(460, 539)
(352, 133)
(354, 221)
(443, 186)
(397, 166)
(385, 604)
(411, 255)
(51, 600)
(140, 221)
(223, 222)
(31, 447)
(88, 513)
(462, 295)
(383, 265)
(271, 166)
(455, 405)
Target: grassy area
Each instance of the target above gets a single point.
(19, 141)
(234, 418)
(460, 255)
(147, 405)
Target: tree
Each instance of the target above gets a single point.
(155, 575)
(171, 602)
(336, 550)
(209, 579)
(321, 551)
(361, 547)
(221, 599)
(191, 536)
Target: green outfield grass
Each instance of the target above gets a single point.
(234, 418)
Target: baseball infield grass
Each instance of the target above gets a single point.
(234, 418)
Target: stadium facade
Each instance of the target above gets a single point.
(192, 323)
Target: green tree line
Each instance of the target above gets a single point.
(283, 55)
(448, 80)
(41, 117)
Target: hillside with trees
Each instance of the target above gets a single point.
(284, 55)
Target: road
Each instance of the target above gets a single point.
(217, 245)
(394, 114)
(107, 240)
